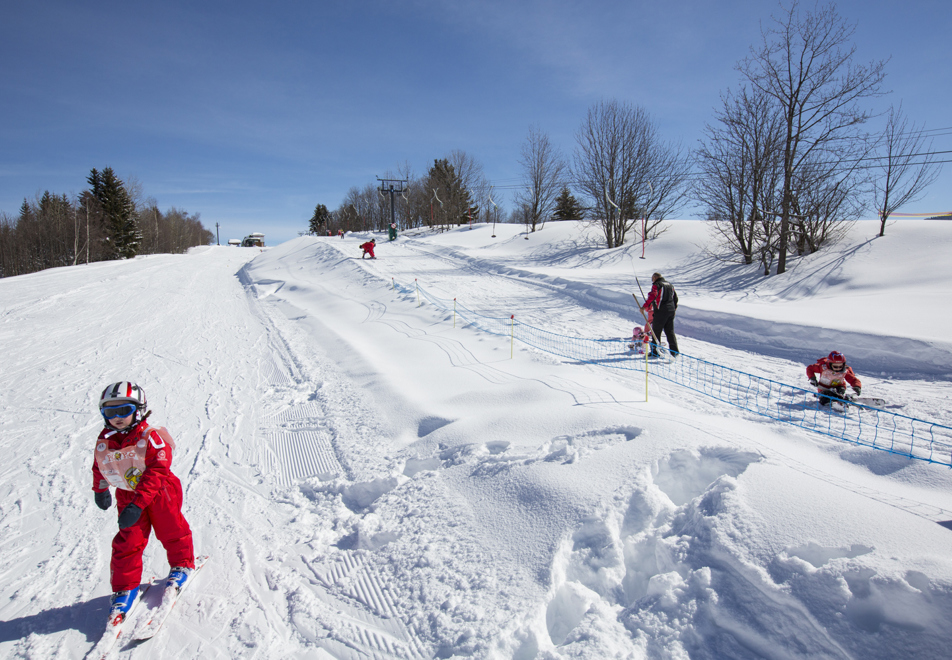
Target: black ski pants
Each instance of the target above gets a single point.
(664, 321)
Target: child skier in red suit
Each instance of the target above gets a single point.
(368, 248)
(641, 337)
(136, 459)
(830, 375)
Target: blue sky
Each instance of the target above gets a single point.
(250, 113)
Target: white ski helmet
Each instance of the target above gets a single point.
(123, 392)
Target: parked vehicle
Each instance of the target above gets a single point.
(253, 240)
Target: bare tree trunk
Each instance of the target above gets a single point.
(806, 64)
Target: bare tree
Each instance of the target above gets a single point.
(669, 176)
(418, 204)
(403, 201)
(627, 171)
(471, 180)
(825, 207)
(8, 256)
(907, 166)
(741, 167)
(612, 165)
(351, 216)
(806, 63)
(738, 165)
(544, 170)
(364, 209)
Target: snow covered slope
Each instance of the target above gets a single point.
(371, 481)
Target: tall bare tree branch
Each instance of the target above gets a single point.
(907, 166)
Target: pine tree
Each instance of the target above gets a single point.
(567, 207)
(319, 220)
(118, 214)
(457, 204)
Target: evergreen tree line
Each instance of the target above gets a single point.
(104, 222)
(790, 161)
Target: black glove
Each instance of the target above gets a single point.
(103, 499)
(813, 381)
(129, 516)
(858, 390)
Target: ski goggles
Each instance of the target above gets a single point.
(120, 410)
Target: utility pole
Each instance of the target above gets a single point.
(393, 186)
(217, 239)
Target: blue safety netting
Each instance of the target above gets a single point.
(862, 425)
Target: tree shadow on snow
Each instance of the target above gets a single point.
(806, 275)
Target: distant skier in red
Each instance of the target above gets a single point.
(368, 248)
(136, 460)
(830, 375)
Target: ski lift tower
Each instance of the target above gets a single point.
(394, 187)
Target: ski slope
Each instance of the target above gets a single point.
(372, 478)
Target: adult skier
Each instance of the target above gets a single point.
(136, 460)
(830, 375)
(368, 248)
(663, 300)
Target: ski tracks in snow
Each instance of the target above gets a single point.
(310, 422)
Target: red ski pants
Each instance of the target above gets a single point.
(164, 515)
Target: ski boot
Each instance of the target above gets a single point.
(121, 603)
(177, 577)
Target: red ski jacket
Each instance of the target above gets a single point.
(156, 476)
(662, 294)
(829, 378)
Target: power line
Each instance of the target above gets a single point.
(521, 183)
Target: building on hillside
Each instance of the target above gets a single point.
(253, 240)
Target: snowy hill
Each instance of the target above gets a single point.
(373, 478)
